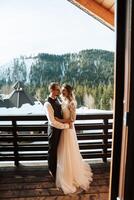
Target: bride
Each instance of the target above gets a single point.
(72, 171)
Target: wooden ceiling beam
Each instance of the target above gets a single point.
(96, 10)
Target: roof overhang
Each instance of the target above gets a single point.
(102, 10)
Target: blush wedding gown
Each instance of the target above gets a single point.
(72, 171)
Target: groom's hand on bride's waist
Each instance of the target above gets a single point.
(70, 125)
(67, 121)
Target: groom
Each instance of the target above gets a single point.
(53, 109)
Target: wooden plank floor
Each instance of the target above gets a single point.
(35, 183)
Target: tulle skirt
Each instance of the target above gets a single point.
(72, 171)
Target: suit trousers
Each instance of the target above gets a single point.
(53, 141)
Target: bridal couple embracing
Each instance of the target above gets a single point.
(65, 162)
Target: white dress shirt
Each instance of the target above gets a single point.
(51, 119)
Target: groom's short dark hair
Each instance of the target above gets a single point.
(53, 85)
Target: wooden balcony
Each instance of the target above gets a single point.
(34, 183)
(23, 140)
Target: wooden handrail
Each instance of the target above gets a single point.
(18, 144)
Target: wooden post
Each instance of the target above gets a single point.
(105, 139)
(16, 154)
(118, 98)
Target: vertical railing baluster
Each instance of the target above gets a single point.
(105, 139)
(16, 154)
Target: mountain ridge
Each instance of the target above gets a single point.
(90, 72)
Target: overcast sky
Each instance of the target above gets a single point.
(49, 26)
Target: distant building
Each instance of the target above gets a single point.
(20, 102)
(17, 98)
(2, 102)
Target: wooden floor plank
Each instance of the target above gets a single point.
(35, 183)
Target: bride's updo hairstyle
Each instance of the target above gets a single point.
(70, 91)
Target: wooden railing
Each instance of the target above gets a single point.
(24, 138)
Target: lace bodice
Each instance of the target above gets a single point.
(69, 110)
